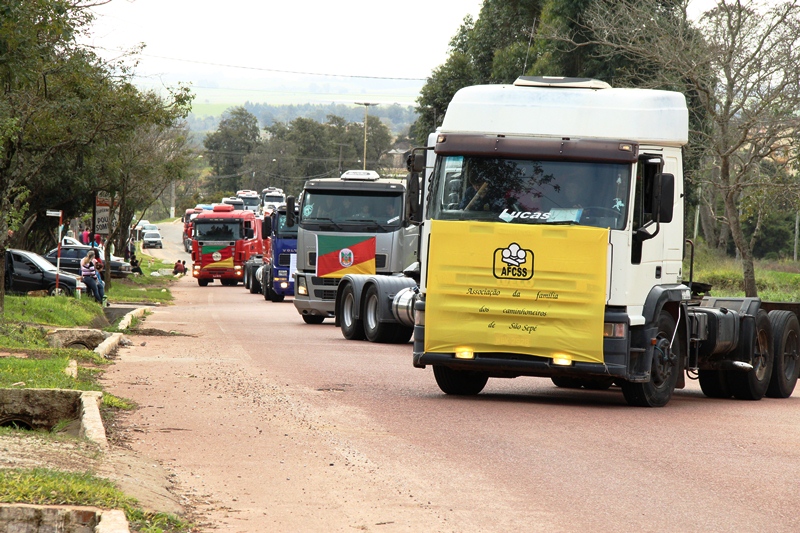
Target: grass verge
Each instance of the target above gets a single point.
(775, 280)
(43, 486)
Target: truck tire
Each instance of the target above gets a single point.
(714, 383)
(459, 382)
(352, 328)
(374, 329)
(563, 382)
(255, 285)
(664, 372)
(246, 277)
(586, 383)
(202, 282)
(786, 348)
(273, 296)
(756, 339)
(313, 319)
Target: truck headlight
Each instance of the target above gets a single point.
(301, 288)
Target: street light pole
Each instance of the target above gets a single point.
(366, 107)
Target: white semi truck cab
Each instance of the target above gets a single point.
(552, 245)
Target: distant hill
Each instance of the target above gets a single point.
(398, 118)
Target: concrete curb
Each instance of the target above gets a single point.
(91, 422)
(128, 318)
(108, 345)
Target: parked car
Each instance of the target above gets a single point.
(27, 271)
(152, 239)
(71, 260)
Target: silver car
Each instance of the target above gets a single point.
(152, 239)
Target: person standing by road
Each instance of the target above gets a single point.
(89, 275)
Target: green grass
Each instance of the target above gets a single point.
(145, 288)
(44, 374)
(42, 486)
(775, 280)
(63, 311)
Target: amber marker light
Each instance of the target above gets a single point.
(562, 360)
(465, 353)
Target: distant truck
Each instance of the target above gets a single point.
(223, 240)
(271, 198)
(276, 276)
(352, 224)
(250, 199)
(553, 246)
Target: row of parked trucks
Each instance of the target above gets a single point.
(540, 233)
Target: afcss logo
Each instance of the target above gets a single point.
(513, 262)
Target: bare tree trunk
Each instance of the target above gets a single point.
(748, 268)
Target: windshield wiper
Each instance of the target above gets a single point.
(368, 221)
(324, 219)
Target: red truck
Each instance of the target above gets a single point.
(223, 239)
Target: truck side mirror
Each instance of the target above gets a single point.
(289, 211)
(416, 162)
(663, 197)
(413, 208)
(266, 227)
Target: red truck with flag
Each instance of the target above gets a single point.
(354, 224)
(223, 239)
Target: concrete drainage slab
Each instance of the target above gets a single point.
(24, 518)
(43, 409)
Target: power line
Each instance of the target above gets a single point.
(261, 69)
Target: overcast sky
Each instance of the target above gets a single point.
(252, 48)
(288, 51)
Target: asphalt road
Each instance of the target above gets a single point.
(271, 421)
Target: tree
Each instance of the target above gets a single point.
(60, 108)
(235, 137)
(739, 66)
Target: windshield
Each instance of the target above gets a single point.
(217, 230)
(283, 231)
(250, 201)
(520, 191)
(355, 209)
(273, 199)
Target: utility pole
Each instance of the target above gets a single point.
(366, 107)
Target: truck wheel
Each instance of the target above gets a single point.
(273, 296)
(756, 339)
(459, 382)
(255, 285)
(586, 383)
(374, 329)
(313, 319)
(565, 382)
(786, 345)
(246, 279)
(352, 328)
(202, 282)
(664, 371)
(714, 383)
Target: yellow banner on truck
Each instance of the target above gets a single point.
(534, 290)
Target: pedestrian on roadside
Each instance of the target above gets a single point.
(135, 268)
(89, 276)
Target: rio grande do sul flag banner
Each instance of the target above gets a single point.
(338, 256)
